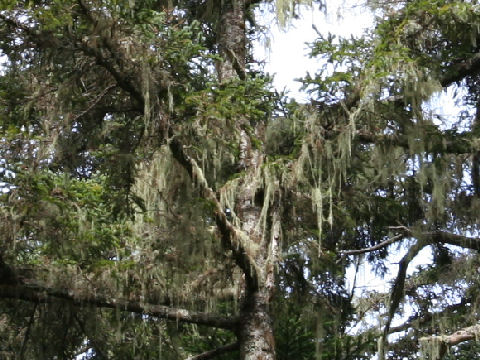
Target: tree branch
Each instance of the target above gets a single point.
(419, 319)
(213, 353)
(38, 294)
(397, 292)
(437, 346)
(231, 236)
(452, 239)
(444, 237)
(443, 143)
(94, 102)
(121, 77)
(375, 247)
(458, 71)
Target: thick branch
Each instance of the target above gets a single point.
(437, 346)
(121, 78)
(452, 239)
(231, 237)
(214, 353)
(39, 294)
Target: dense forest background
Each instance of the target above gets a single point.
(161, 200)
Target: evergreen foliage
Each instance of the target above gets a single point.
(161, 200)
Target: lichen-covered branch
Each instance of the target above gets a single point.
(425, 318)
(38, 294)
(435, 347)
(452, 239)
(231, 236)
(458, 143)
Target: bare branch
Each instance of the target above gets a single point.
(375, 247)
(433, 237)
(95, 101)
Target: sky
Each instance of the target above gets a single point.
(287, 55)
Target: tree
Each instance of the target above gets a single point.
(412, 176)
(156, 185)
(134, 174)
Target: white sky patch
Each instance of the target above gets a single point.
(368, 281)
(448, 110)
(287, 56)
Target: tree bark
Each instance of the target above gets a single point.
(255, 329)
(231, 40)
(256, 333)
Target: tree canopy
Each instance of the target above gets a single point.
(161, 199)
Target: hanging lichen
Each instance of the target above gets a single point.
(285, 9)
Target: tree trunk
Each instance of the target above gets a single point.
(231, 40)
(255, 327)
(256, 330)
(256, 333)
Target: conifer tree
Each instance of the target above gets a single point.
(161, 200)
